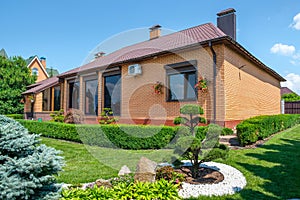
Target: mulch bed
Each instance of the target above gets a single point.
(207, 175)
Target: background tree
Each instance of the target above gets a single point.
(14, 77)
(291, 97)
(199, 145)
(26, 166)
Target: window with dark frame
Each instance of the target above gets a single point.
(91, 97)
(181, 79)
(57, 95)
(47, 95)
(74, 95)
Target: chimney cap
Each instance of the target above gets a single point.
(43, 58)
(157, 26)
(227, 11)
(99, 54)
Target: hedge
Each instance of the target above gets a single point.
(15, 116)
(261, 127)
(119, 136)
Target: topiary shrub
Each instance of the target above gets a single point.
(107, 117)
(26, 167)
(200, 144)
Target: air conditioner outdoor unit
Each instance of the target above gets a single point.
(134, 70)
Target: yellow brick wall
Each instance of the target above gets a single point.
(27, 104)
(139, 100)
(249, 91)
(38, 103)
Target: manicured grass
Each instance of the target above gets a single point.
(86, 163)
(272, 171)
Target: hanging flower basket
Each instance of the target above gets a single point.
(202, 85)
(158, 88)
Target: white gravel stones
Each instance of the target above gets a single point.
(234, 181)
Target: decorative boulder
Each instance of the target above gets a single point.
(145, 170)
(104, 183)
(124, 171)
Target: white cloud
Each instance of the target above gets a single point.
(283, 49)
(292, 82)
(296, 22)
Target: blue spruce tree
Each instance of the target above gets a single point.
(26, 166)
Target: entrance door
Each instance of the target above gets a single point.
(112, 93)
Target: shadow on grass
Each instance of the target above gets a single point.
(282, 178)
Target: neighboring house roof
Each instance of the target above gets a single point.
(286, 90)
(42, 85)
(3, 53)
(31, 59)
(52, 72)
(198, 35)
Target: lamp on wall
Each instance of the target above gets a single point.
(240, 70)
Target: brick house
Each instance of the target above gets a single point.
(239, 85)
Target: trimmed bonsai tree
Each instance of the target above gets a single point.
(192, 116)
(26, 166)
(200, 144)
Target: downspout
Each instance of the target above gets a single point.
(214, 81)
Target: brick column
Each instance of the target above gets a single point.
(99, 93)
(65, 95)
(81, 94)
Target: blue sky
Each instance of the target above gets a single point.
(66, 31)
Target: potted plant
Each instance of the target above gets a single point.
(31, 98)
(158, 88)
(202, 85)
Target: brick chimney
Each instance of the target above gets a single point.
(155, 32)
(226, 21)
(43, 61)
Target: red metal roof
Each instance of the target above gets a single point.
(286, 90)
(165, 43)
(42, 85)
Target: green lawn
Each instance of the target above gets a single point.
(272, 171)
(87, 163)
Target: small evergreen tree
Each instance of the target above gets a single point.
(26, 167)
(199, 146)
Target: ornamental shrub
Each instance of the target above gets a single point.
(74, 116)
(227, 131)
(26, 167)
(57, 116)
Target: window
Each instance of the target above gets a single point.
(182, 78)
(35, 71)
(91, 97)
(112, 93)
(47, 100)
(57, 98)
(74, 95)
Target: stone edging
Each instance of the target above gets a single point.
(233, 182)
